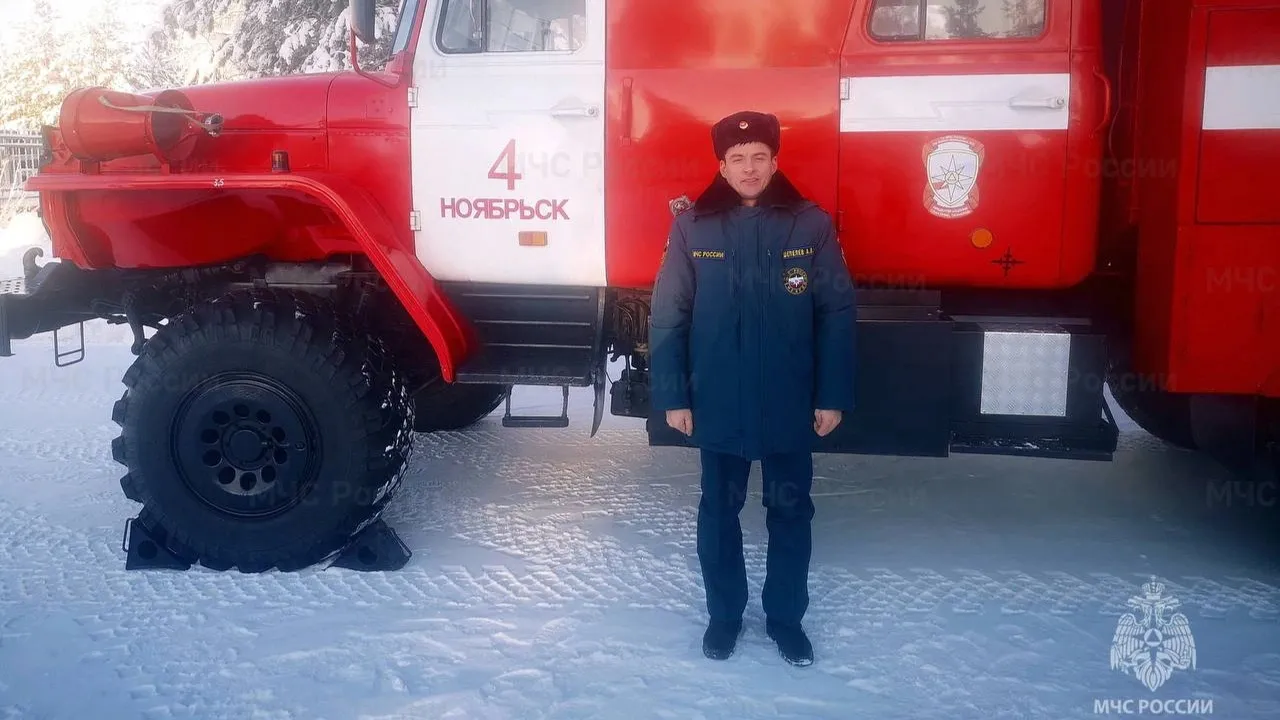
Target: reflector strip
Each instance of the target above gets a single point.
(947, 103)
(1242, 97)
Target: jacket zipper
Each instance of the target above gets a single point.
(768, 293)
(736, 254)
(764, 302)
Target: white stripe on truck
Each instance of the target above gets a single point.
(946, 103)
(1242, 97)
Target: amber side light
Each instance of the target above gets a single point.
(981, 238)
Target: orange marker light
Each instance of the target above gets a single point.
(533, 238)
(981, 238)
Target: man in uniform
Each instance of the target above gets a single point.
(752, 337)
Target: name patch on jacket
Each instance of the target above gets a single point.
(797, 252)
(709, 254)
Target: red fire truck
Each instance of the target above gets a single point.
(1037, 199)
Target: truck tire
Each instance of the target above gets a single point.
(261, 430)
(1165, 415)
(442, 406)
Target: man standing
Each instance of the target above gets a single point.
(752, 337)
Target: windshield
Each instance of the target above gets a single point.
(408, 9)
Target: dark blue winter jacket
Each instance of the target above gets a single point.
(752, 321)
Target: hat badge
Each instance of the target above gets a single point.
(742, 125)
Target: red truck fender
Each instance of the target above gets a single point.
(450, 335)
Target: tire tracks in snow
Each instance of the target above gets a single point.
(579, 535)
(44, 563)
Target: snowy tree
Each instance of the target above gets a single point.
(52, 56)
(158, 64)
(896, 18)
(244, 38)
(1024, 18)
(964, 19)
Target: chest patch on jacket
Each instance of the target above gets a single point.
(795, 280)
(708, 254)
(797, 252)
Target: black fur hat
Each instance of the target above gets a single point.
(745, 127)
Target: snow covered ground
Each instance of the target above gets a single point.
(554, 576)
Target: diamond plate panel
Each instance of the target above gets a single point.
(13, 286)
(1025, 373)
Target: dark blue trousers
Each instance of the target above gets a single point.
(788, 480)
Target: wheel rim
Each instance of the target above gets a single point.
(246, 445)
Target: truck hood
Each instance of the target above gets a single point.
(282, 103)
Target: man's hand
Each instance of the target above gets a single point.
(681, 420)
(824, 421)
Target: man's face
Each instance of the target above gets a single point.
(749, 168)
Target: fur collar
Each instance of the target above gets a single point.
(720, 196)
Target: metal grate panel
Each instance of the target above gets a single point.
(1025, 373)
(13, 286)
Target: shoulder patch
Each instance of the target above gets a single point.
(795, 280)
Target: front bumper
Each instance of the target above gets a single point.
(45, 299)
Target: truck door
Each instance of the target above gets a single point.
(970, 141)
(508, 141)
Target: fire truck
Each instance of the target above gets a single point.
(1037, 200)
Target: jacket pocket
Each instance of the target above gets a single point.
(714, 272)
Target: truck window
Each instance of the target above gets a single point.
(497, 26)
(408, 9)
(957, 19)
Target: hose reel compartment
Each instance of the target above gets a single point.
(99, 124)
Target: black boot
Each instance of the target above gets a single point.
(720, 639)
(793, 644)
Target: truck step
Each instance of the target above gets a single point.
(1097, 443)
(538, 421)
(528, 365)
(530, 334)
(1031, 388)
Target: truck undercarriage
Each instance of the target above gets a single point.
(226, 412)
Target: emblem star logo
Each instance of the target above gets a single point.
(950, 178)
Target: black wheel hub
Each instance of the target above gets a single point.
(246, 445)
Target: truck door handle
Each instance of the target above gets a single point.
(1049, 103)
(575, 111)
